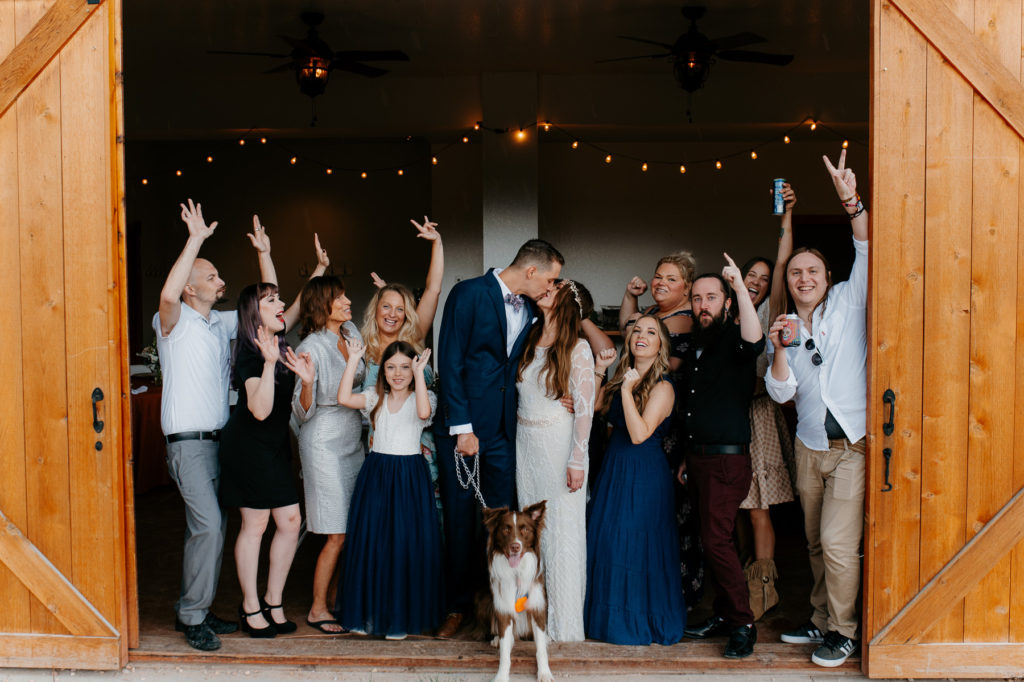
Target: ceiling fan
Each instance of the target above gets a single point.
(312, 59)
(693, 53)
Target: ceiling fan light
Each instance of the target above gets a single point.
(312, 75)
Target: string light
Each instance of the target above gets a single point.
(476, 126)
(718, 165)
(209, 159)
(575, 144)
(814, 125)
(294, 160)
(401, 172)
(521, 135)
(547, 126)
(363, 175)
(785, 138)
(329, 171)
(608, 159)
(178, 173)
(682, 169)
(644, 167)
(433, 160)
(263, 140)
(846, 143)
(465, 139)
(753, 155)
(241, 143)
(145, 181)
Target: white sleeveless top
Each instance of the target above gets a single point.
(399, 433)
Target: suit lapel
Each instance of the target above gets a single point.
(494, 293)
(531, 309)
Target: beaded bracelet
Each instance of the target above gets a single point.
(860, 209)
(852, 201)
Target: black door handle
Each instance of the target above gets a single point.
(887, 453)
(97, 425)
(889, 398)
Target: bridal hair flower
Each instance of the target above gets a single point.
(576, 295)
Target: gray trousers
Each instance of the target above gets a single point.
(194, 466)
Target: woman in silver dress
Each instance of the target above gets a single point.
(330, 446)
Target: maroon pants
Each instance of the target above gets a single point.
(718, 483)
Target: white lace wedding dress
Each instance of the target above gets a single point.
(549, 441)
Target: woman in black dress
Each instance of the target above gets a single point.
(255, 450)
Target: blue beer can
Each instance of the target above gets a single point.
(778, 203)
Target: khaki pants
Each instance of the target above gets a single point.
(831, 487)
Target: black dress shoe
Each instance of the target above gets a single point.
(216, 625)
(201, 637)
(257, 633)
(741, 642)
(288, 626)
(712, 627)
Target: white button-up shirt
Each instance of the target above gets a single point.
(514, 321)
(839, 383)
(195, 360)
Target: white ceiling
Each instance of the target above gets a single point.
(174, 89)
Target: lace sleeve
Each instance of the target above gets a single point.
(582, 388)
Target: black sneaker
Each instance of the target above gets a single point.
(741, 642)
(808, 633)
(201, 637)
(834, 651)
(216, 625)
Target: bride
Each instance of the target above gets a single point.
(551, 448)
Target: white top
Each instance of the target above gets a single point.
(398, 433)
(195, 359)
(840, 383)
(515, 322)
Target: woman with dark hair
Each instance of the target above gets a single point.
(634, 589)
(329, 433)
(255, 451)
(771, 449)
(551, 448)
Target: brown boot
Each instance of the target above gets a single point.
(761, 576)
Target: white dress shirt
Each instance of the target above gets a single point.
(839, 383)
(195, 359)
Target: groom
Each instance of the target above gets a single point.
(483, 334)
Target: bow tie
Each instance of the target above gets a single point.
(515, 301)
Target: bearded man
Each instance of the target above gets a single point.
(718, 374)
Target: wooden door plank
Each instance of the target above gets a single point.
(993, 78)
(993, 331)
(96, 542)
(15, 616)
(945, 661)
(897, 304)
(39, 47)
(1017, 560)
(947, 329)
(59, 651)
(42, 300)
(49, 585)
(961, 575)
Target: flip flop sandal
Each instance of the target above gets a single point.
(319, 625)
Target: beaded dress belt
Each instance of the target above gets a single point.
(547, 421)
(192, 435)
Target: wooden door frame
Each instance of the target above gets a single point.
(895, 649)
(93, 641)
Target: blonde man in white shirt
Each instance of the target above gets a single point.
(826, 376)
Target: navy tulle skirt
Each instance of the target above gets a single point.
(392, 581)
(634, 591)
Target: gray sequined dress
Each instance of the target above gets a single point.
(330, 443)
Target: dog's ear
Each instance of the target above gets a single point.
(536, 511)
(491, 517)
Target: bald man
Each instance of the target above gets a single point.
(194, 343)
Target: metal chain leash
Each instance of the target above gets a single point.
(469, 478)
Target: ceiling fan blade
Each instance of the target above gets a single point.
(356, 67)
(251, 54)
(642, 56)
(290, 66)
(372, 55)
(667, 46)
(738, 40)
(756, 57)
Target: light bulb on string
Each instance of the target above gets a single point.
(433, 160)
(476, 126)
(547, 126)
(401, 172)
(682, 169)
(363, 175)
(718, 165)
(145, 181)
(209, 159)
(846, 143)
(329, 171)
(241, 142)
(465, 139)
(263, 140)
(814, 125)
(178, 173)
(608, 159)
(785, 138)
(644, 167)
(753, 155)
(294, 160)
(520, 134)
(575, 144)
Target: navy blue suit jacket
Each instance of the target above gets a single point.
(478, 379)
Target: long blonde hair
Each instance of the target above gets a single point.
(408, 332)
(655, 373)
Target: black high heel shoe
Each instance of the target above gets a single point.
(257, 633)
(282, 628)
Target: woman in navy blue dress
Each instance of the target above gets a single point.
(634, 590)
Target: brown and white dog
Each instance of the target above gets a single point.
(518, 606)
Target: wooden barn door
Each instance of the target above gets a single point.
(63, 365)
(944, 558)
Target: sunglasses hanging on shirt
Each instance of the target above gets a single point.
(816, 359)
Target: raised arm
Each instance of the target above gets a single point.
(750, 326)
(259, 390)
(659, 406)
(846, 187)
(777, 300)
(427, 307)
(177, 278)
(346, 397)
(635, 288)
(419, 364)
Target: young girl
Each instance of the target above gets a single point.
(393, 566)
